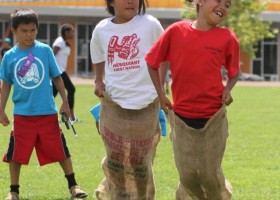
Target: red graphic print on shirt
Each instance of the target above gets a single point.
(127, 49)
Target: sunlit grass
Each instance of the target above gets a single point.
(251, 162)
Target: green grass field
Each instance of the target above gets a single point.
(251, 162)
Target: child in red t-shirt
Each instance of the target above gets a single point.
(197, 51)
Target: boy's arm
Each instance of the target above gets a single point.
(58, 82)
(99, 73)
(227, 98)
(163, 71)
(56, 50)
(164, 101)
(5, 92)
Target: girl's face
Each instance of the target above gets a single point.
(125, 10)
(213, 12)
(25, 35)
(70, 34)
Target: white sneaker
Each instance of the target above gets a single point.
(76, 119)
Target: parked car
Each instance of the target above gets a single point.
(243, 76)
(250, 77)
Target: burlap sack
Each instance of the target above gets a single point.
(130, 138)
(198, 155)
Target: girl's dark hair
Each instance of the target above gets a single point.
(65, 28)
(23, 16)
(141, 10)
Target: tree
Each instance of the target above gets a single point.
(244, 19)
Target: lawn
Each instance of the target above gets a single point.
(251, 162)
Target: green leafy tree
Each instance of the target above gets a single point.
(244, 19)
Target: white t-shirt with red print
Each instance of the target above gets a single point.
(123, 48)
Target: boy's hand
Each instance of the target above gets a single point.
(64, 119)
(99, 88)
(4, 120)
(165, 104)
(65, 109)
(227, 98)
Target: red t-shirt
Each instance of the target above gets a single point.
(196, 59)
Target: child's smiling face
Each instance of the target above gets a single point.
(214, 11)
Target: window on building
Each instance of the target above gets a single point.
(270, 59)
(1, 30)
(53, 33)
(5, 31)
(47, 32)
(257, 62)
(84, 66)
(266, 62)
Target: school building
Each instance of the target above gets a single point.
(85, 14)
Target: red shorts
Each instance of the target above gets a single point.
(41, 132)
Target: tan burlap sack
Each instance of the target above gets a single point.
(130, 138)
(198, 155)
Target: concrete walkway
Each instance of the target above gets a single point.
(86, 81)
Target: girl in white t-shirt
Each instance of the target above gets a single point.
(61, 50)
(129, 107)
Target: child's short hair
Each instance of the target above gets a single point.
(141, 10)
(23, 16)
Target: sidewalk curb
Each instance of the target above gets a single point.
(90, 81)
